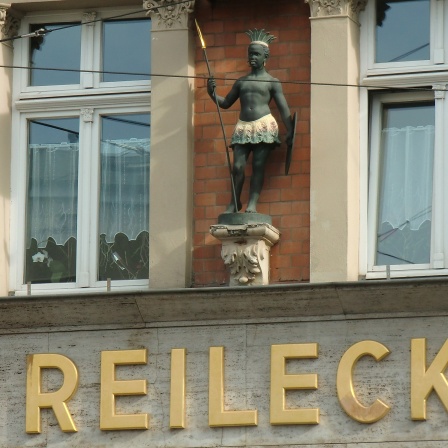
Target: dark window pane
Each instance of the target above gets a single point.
(124, 197)
(52, 196)
(59, 50)
(402, 31)
(126, 49)
(405, 189)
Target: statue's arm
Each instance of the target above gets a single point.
(283, 108)
(228, 100)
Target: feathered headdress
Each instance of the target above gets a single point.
(260, 37)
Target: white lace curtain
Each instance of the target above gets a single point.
(52, 207)
(124, 189)
(407, 176)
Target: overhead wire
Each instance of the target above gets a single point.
(42, 32)
(88, 22)
(203, 77)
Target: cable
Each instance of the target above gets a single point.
(408, 53)
(127, 121)
(42, 31)
(160, 75)
(397, 258)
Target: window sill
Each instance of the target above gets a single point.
(71, 290)
(391, 78)
(406, 273)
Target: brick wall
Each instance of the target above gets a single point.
(285, 198)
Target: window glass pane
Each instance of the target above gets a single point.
(405, 189)
(51, 211)
(126, 49)
(59, 50)
(124, 197)
(402, 31)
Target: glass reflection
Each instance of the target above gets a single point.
(403, 30)
(126, 48)
(124, 197)
(405, 190)
(52, 201)
(60, 51)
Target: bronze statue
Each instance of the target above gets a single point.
(256, 130)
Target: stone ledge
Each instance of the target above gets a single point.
(293, 301)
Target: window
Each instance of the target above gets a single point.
(402, 31)
(81, 146)
(399, 34)
(401, 191)
(403, 120)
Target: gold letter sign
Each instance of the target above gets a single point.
(177, 389)
(424, 380)
(281, 382)
(346, 394)
(36, 399)
(217, 416)
(110, 387)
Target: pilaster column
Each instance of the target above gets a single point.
(9, 26)
(334, 139)
(172, 57)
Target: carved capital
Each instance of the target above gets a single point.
(88, 18)
(439, 91)
(9, 21)
(325, 8)
(244, 262)
(3, 10)
(245, 251)
(87, 115)
(169, 14)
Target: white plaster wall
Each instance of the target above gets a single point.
(247, 377)
(5, 162)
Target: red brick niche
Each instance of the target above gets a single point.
(285, 198)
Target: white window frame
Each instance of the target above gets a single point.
(90, 56)
(382, 79)
(46, 102)
(438, 57)
(438, 265)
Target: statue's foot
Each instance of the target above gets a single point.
(231, 208)
(251, 210)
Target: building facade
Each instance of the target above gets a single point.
(117, 327)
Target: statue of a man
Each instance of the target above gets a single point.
(256, 130)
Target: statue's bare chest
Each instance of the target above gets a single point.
(255, 88)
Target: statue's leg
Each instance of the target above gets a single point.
(259, 158)
(240, 156)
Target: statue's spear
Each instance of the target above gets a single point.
(220, 117)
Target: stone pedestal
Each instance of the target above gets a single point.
(245, 251)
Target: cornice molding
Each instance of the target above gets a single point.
(330, 8)
(9, 21)
(168, 14)
(192, 306)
